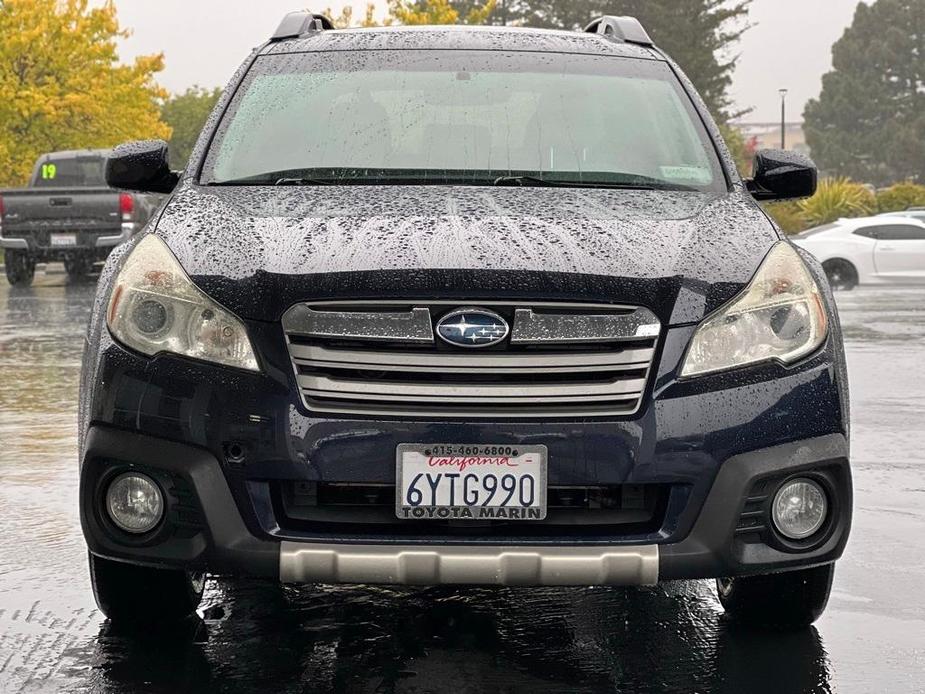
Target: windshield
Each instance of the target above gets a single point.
(70, 172)
(473, 117)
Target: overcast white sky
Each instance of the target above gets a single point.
(205, 40)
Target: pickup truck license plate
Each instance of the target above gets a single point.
(470, 482)
(63, 240)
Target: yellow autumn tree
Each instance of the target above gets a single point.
(412, 12)
(437, 12)
(345, 19)
(62, 86)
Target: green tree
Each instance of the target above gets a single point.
(698, 34)
(63, 87)
(186, 113)
(869, 120)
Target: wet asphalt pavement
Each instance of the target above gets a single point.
(259, 637)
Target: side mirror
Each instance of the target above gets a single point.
(782, 175)
(141, 166)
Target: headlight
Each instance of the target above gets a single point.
(779, 316)
(155, 307)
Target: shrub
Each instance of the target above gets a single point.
(900, 196)
(836, 198)
(787, 215)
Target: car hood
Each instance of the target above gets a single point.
(258, 250)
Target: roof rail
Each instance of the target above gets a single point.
(296, 24)
(627, 29)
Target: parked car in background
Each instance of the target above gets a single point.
(886, 249)
(68, 214)
(459, 305)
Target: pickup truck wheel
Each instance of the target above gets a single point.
(20, 268)
(77, 267)
(841, 274)
(787, 600)
(139, 594)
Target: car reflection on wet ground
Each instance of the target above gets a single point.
(255, 636)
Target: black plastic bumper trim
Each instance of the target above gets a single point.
(712, 548)
(224, 544)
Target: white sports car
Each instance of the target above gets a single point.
(869, 250)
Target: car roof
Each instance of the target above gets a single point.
(462, 37)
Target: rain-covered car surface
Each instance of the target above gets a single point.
(281, 245)
(256, 635)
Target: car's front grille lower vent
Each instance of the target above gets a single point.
(560, 360)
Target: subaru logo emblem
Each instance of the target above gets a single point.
(472, 327)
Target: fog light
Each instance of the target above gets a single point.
(134, 502)
(799, 508)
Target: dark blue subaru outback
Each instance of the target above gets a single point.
(463, 306)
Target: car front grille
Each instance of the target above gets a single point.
(367, 511)
(561, 360)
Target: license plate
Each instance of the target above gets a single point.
(470, 482)
(64, 240)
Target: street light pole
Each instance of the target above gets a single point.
(783, 116)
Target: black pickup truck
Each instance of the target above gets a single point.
(68, 214)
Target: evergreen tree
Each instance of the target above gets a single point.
(869, 121)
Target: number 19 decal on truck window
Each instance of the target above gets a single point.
(49, 171)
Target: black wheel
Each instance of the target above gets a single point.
(130, 593)
(77, 266)
(20, 268)
(841, 274)
(788, 600)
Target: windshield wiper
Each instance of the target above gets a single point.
(299, 181)
(644, 183)
(276, 178)
(526, 181)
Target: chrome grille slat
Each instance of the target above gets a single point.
(514, 392)
(345, 407)
(600, 367)
(487, 362)
(557, 329)
(406, 326)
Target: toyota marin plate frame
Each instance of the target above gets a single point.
(452, 481)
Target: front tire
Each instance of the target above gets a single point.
(20, 268)
(789, 600)
(139, 594)
(841, 274)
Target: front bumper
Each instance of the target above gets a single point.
(205, 529)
